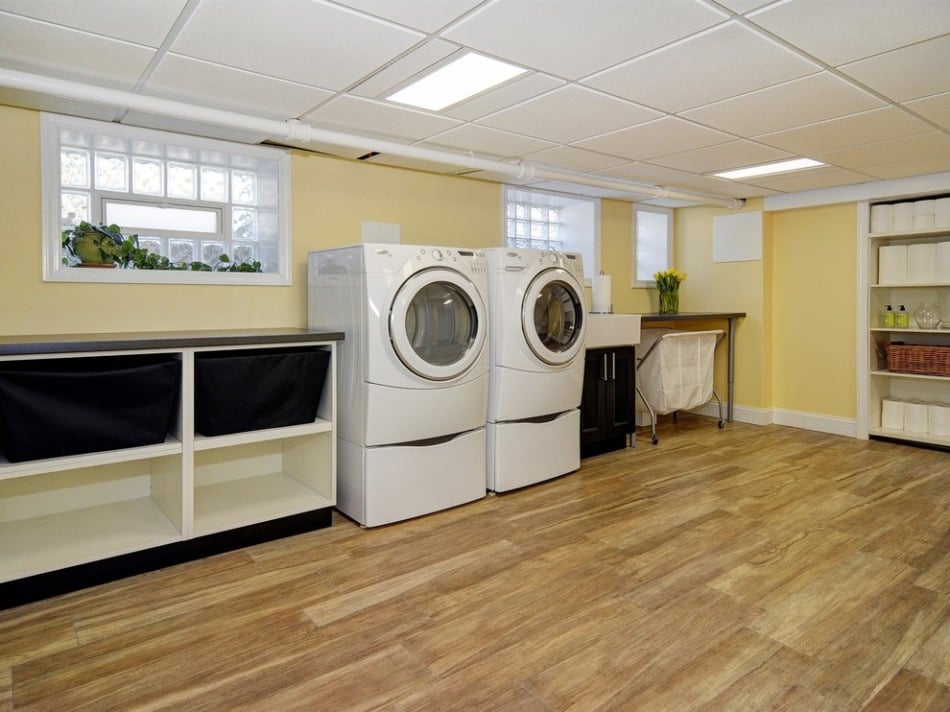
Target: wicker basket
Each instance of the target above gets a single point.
(917, 358)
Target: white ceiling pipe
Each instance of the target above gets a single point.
(295, 130)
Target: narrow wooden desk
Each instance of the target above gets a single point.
(729, 317)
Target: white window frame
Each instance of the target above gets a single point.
(668, 238)
(53, 254)
(579, 210)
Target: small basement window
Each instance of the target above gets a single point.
(189, 200)
(553, 221)
(652, 243)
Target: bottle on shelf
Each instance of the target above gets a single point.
(901, 317)
(887, 318)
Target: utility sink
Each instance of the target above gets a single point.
(605, 330)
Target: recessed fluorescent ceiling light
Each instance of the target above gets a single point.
(466, 76)
(767, 169)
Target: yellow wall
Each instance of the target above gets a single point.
(814, 283)
(795, 348)
(331, 198)
(725, 287)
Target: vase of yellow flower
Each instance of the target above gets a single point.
(668, 282)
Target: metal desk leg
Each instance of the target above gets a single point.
(732, 368)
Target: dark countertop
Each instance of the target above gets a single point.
(690, 316)
(71, 343)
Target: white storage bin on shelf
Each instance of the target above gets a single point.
(83, 515)
(675, 372)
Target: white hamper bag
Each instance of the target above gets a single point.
(675, 371)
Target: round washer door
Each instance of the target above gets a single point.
(552, 317)
(437, 324)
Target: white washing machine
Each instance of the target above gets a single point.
(412, 375)
(538, 318)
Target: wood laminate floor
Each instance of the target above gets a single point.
(750, 568)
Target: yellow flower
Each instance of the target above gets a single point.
(668, 279)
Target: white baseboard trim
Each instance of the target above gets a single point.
(740, 413)
(831, 424)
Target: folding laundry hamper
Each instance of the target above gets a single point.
(675, 372)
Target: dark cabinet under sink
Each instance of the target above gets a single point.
(607, 404)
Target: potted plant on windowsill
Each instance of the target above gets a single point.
(93, 245)
(105, 246)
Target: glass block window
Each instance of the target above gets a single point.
(552, 221)
(188, 199)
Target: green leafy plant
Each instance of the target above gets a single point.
(93, 244)
(103, 245)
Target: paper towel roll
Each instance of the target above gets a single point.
(600, 289)
(892, 264)
(903, 216)
(915, 417)
(892, 414)
(921, 263)
(882, 218)
(939, 419)
(924, 221)
(943, 263)
(942, 212)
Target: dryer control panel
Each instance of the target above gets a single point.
(462, 259)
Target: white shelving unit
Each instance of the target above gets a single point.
(60, 513)
(875, 381)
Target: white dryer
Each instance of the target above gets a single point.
(538, 318)
(412, 375)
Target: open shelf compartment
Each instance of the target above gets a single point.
(70, 517)
(257, 481)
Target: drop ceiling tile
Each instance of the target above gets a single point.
(933, 108)
(846, 131)
(574, 39)
(513, 92)
(722, 157)
(574, 159)
(801, 101)
(813, 178)
(33, 46)
(206, 84)
(847, 30)
(355, 114)
(656, 138)
(299, 40)
(712, 186)
(717, 64)
(932, 145)
(744, 6)
(908, 73)
(426, 15)
(487, 142)
(908, 168)
(392, 75)
(645, 173)
(569, 114)
(682, 181)
(145, 23)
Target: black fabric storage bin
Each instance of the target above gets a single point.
(257, 388)
(70, 406)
